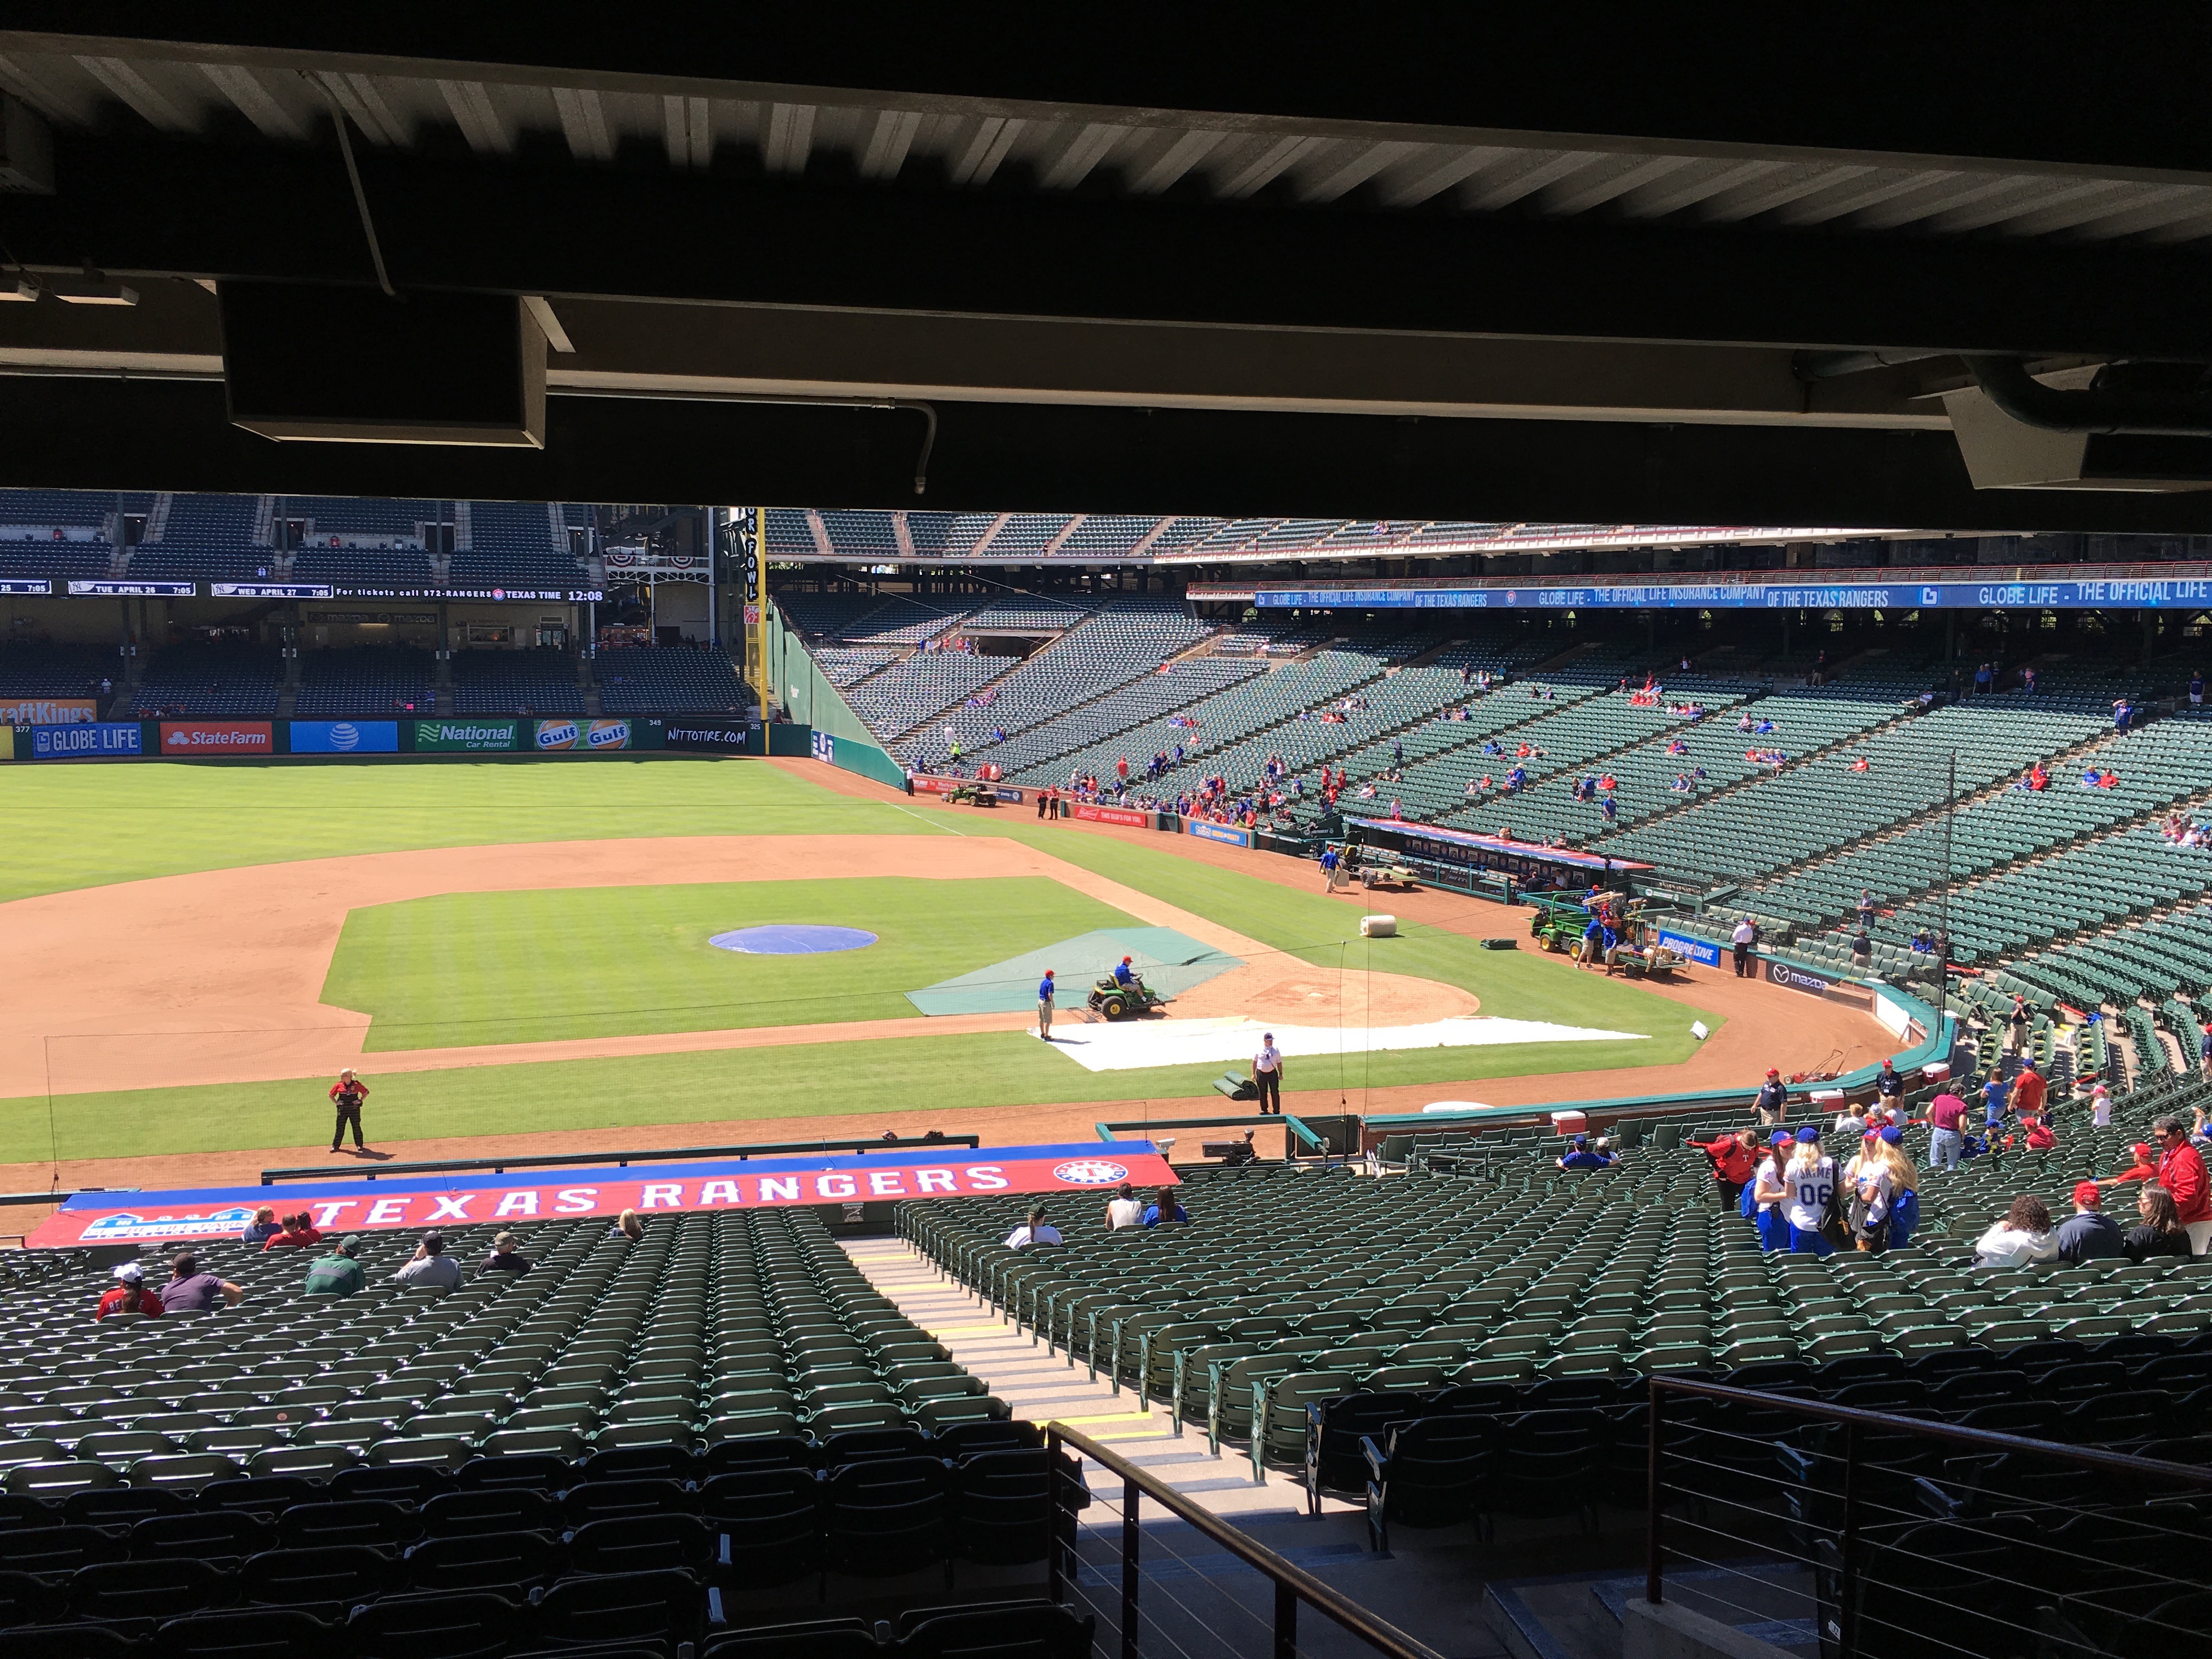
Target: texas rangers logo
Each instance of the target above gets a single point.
(1090, 1172)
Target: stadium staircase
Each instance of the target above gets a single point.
(1042, 1385)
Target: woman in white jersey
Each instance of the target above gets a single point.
(1768, 1192)
(1869, 1181)
(1810, 1180)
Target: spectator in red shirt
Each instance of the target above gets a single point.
(299, 1233)
(1734, 1158)
(2181, 1172)
(130, 1296)
(2029, 1091)
(2144, 1168)
(1945, 1139)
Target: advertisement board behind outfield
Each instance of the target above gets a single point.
(436, 736)
(727, 738)
(345, 737)
(218, 738)
(1226, 832)
(94, 741)
(48, 711)
(552, 737)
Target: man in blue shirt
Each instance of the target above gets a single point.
(1888, 1084)
(1774, 1097)
(1329, 861)
(1993, 1103)
(1124, 974)
(1044, 1006)
(1580, 1157)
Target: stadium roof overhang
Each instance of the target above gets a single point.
(1460, 263)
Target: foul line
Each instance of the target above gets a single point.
(917, 816)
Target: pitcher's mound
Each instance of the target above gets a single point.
(1314, 996)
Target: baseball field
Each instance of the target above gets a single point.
(523, 955)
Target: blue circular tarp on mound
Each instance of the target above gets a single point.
(792, 938)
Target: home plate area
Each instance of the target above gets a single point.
(1130, 1046)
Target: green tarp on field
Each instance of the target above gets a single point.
(1170, 962)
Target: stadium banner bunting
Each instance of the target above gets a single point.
(1086, 1169)
(1703, 951)
(48, 711)
(218, 738)
(1222, 832)
(432, 736)
(345, 737)
(87, 740)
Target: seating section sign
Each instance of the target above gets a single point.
(1083, 1171)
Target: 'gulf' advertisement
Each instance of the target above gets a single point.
(592, 737)
(218, 738)
(1081, 1170)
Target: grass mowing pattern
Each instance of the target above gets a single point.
(530, 967)
(879, 1081)
(73, 826)
(85, 825)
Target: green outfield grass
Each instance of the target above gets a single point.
(529, 967)
(876, 1082)
(513, 967)
(86, 825)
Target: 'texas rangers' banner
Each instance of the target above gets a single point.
(1084, 1169)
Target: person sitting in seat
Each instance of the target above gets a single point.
(1122, 1210)
(1165, 1210)
(2089, 1234)
(1034, 1230)
(190, 1290)
(2022, 1238)
(430, 1268)
(337, 1274)
(1580, 1156)
(505, 1259)
(297, 1233)
(263, 1228)
(131, 1295)
(1125, 974)
(2161, 1233)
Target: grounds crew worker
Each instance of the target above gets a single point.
(1267, 1073)
(1044, 1006)
(347, 1094)
(1329, 861)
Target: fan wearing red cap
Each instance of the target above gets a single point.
(2143, 1168)
(2088, 1235)
(1772, 1100)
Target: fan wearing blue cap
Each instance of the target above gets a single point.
(1809, 1179)
(1873, 1180)
(1763, 1199)
(1580, 1157)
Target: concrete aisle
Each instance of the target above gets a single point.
(1041, 1386)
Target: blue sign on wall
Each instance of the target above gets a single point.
(92, 740)
(1752, 596)
(1230, 833)
(1703, 951)
(345, 737)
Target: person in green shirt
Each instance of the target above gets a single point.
(337, 1274)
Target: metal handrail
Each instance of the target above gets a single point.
(1855, 1420)
(1293, 1583)
(1260, 1120)
(620, 1160)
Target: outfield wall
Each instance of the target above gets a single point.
(228, 739)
